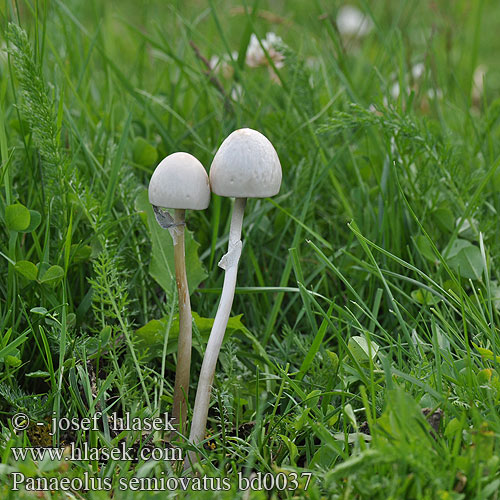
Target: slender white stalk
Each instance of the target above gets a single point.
(181, 385)
(230, 264)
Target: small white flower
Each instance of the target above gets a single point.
(214, 62)
(351, 22)
(478, 82)
(272, 39)
(373, 109)
(256, 56)
(435, 94)
(417, 70)
(224, 64)
(395, 90)
(237, 92)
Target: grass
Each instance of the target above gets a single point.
(368, 347)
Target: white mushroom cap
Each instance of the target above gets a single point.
(246, 166)
(180, 181)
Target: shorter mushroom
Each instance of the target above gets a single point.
(245, 166)
(180, 182)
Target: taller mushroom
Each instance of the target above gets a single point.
(245, 166)
(180, 182)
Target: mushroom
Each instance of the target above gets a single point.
(179, 182)
(245, 166)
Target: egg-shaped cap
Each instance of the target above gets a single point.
(180, 181)
(246, 166)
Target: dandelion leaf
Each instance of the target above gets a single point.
(162, 267)
(152, 333)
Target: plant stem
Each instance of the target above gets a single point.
(230, 264)
(181, 386)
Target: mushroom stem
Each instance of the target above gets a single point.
(181, 386)
(229, 263)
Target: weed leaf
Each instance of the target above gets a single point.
(27, 269)
(17, 217)
(162, 267)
